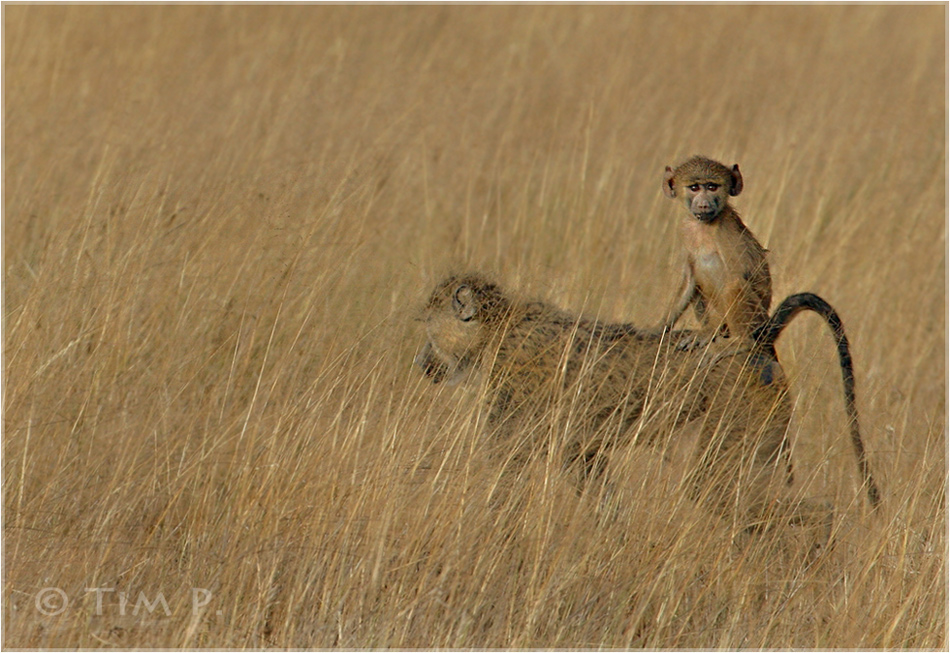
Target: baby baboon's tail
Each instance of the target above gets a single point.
(769, 332)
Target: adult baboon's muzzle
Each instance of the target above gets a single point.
(434, 369)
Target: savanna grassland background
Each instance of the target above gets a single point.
(221, 221)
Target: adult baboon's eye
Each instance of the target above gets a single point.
(694, 187)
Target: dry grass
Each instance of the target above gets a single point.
(219, 221)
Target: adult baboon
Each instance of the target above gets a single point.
(598, 384)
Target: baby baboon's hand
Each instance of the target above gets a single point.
(692, 341)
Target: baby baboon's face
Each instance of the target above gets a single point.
(705, 198)
(455, 329)
(703, 185)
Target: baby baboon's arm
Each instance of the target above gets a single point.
(685, 296)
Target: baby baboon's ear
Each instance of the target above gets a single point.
(669, 182)
(463, 301)
(736, 181)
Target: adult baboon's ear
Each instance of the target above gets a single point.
(463, 301)
(736, 181)
(669, 183)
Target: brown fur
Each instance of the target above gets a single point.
(589, 386)
(727, 278)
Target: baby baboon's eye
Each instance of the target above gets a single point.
(712, 187)
(694, 187)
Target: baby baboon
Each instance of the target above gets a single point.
(599, 385)
(727, 277)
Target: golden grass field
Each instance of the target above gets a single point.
(220, 223)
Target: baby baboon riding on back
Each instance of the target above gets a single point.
(600, 383)
(727, 278)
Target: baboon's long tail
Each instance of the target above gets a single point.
(768, 333)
